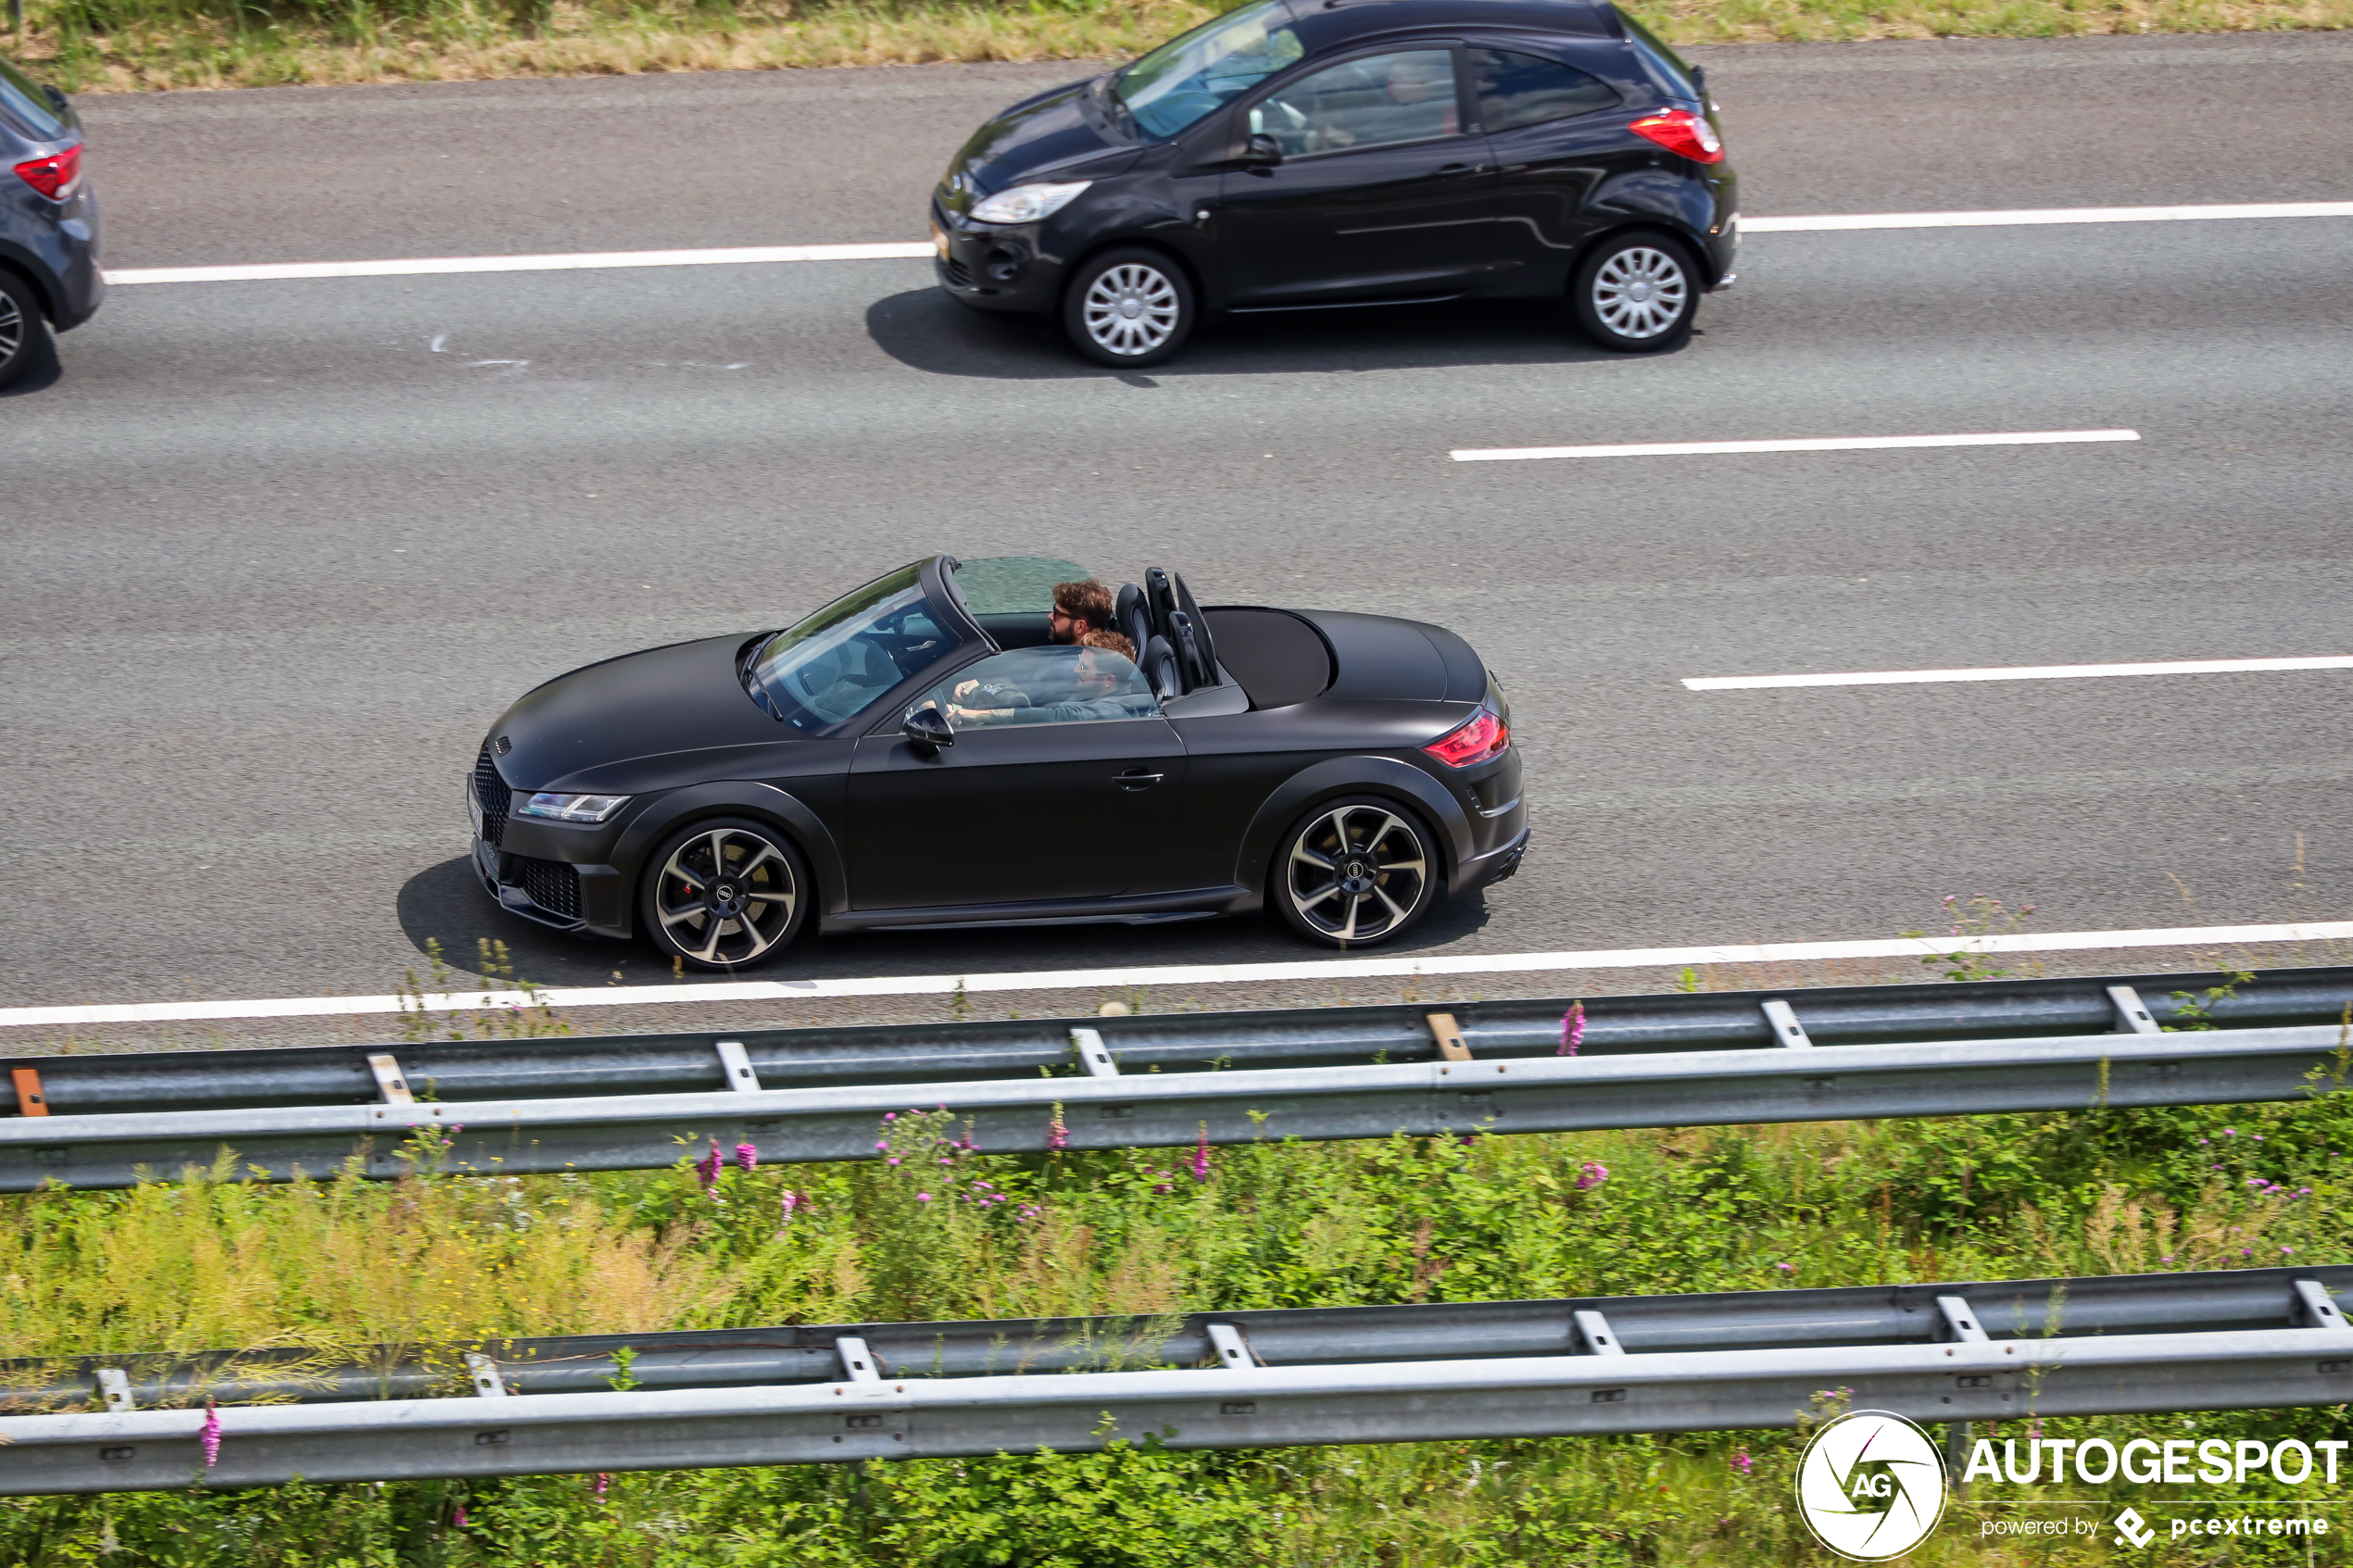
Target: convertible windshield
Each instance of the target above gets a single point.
(1188, 77)
(834, 665)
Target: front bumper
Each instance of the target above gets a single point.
(993, 267)
(561, 894)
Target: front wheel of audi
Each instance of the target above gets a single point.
(724, 894)
(1636, 294)
(1129, 308)
(1353, 873)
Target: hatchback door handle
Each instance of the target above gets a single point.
(1135, 779)
(1462, 169)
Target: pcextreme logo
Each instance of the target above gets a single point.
(1870, 1485)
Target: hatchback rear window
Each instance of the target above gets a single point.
(28, 106)
(1517, 89)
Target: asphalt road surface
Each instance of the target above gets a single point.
(279, 551)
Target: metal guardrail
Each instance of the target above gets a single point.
(1954, 1352)
(511, 1107)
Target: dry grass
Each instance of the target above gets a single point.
(130, 45)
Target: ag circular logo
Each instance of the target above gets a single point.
(1871, 1485)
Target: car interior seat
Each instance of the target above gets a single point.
(1159, 661)
(1211, 676)
(1133, 617)
(1190, 663)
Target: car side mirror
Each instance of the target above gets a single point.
(1261, 150)
(928, 727)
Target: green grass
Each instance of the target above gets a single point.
(434, 1262)
(98, 45)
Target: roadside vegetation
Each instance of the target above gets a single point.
(946, 1230)
(120, 45)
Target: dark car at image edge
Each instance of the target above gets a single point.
(720, 796)
(1325, 154)
(49, 276)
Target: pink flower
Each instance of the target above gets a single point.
(1786, 1268)
(1200, 1155)
(746, 1157)
(1591, 1174)
(1572, 1029)
(894, 1159)
(707, 1168)
(209, 1436)
(923, 1197)
(1057, 1134)
(605, 1480)
(1741, 1463)
(458, 1518)
(792, 1200)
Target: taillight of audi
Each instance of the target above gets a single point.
(1482, 737)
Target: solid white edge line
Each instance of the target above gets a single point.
(2020, 673)
(2002, 219)
(558, 263)
(1171, 974)
(909, 251)
(1802, 443)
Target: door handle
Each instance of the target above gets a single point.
(1135, 779)
(1462, 169)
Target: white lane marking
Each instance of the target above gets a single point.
(1175, 974)
(572, 261)
(737, 255)
(2006, 218)
(2018, 672)
(1807, 443)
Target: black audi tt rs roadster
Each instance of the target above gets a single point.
(924, 752)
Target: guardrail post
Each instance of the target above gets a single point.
(2314, 1307)
(1448, 1035)
(389, 1081)
(1960, 1321)
(735, 1064)
(1594, 1333)
(857, 1362)
(1093, 1054)
(488, 1384)
(115, 1385)
(1233, 1351)
(2131, 1011)
(29, 1100)
(1787, 1030)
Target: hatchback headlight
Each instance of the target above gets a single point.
(572, 808)
(1027, 204)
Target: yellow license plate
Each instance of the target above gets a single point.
(939, 240)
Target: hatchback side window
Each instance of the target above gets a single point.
(1048, 685)
(1375, 102)
(1516, 90)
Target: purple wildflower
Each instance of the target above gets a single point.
(707, 1168)
(605, 1480)
(746, 1157)
(923, 1197)
(1057, 1134)
(1200, 1155)
(2287, 1251)
(1572, 1029)
(210, 1436)
(792, 1200)
(459, 1517)
(1591, 1174)
(1741, 1463)
(894, 1159)
(1786, 1268)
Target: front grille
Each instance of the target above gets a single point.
(959, 275)
(554, 886)
(496, 798)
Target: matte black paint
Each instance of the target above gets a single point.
(1119, 820)
(1470, 214)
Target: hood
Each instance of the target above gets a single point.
(647, 721)
(1057, 134)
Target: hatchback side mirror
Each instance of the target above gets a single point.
(929, 728)
(1261, 150)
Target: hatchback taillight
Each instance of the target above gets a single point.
(1682, 133)
(1482, 739)
(53, 176)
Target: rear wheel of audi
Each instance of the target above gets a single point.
(1636, 294)
(724, 894)
(24, 337)
(1353, 873)
(1130, 307)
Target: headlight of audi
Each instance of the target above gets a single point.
(572, 808)
(1027, 204)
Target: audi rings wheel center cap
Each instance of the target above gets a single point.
(723, 896)
(1356, 877)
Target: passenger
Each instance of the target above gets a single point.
(1079, 607)
(1103, 684)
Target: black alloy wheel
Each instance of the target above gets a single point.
(1353, 873)
(1129, 308)
(1636, 293)
(23, 335)
(724, 894)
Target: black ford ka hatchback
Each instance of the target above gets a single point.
(1315, 153)
(918, 753)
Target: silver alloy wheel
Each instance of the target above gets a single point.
(1130, 309)
(725, 897)
(1350, 858)
(11, 327)
(1640, 292)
